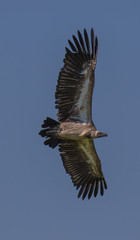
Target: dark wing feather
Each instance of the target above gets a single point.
(92, 43)
(87, 43)
(82, 163)
(76, 80)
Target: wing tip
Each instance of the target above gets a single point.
(92, 188)
(83, 45)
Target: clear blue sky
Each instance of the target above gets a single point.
(37, 198)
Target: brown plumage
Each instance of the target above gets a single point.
(74, 131)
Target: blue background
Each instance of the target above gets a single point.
(37, 198)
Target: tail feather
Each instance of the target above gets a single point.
(43, 133)
(49, 122)
(50, 126)
(52, 142)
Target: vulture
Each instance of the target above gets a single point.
(74, 131)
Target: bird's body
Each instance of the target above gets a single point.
(74, 132)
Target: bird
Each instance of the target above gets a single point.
(74, 132)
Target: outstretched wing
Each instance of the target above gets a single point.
(82, 163)
(76, 80)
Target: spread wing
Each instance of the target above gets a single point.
(76, 80)
(82, 163)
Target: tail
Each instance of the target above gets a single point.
(50, 126)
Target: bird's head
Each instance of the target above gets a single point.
(98, 134)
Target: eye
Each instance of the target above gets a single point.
(100, 134)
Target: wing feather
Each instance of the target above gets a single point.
(92, 43)
(87, 42)
(82, 163)
(91, 189)
(96, 46)
(78, 72)
(72, 46)
(82, 43)
(77, 44)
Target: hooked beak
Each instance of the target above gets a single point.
(101, 134)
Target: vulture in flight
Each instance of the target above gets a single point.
(74, 131)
